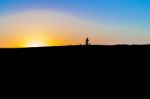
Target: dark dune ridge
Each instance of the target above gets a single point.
(78, 52)
(118, 60)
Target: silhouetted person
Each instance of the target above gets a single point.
(87, 41)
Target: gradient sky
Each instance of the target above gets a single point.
(65, 22)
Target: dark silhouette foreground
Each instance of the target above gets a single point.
(77, 53)
(105, 66)
(110, 59)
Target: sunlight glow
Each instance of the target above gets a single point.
(36, 44)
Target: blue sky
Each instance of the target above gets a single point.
(93, 8)
(132, 14)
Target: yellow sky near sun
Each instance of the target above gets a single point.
(53, 28)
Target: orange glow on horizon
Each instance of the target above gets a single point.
(36, 44)
(40, 42)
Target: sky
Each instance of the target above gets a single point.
(69, 22)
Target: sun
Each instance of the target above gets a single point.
(36, 44)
